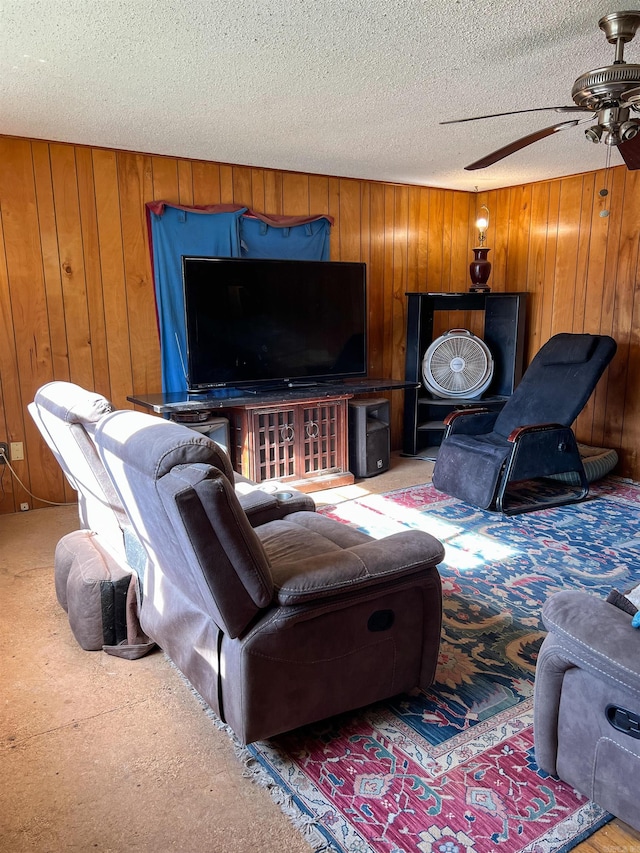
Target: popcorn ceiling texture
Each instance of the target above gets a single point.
(326, 86)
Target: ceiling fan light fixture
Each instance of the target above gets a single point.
(594, 133)
(629, 130)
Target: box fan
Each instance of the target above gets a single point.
(457, 364)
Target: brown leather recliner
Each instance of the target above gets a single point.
(276, 626)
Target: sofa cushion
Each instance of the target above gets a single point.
(313, 557)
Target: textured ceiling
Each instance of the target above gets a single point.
(328, 86)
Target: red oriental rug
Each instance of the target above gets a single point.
(452, 769)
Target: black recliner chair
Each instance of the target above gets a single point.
(483, 452)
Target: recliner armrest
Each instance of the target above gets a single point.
(518, 432)
(596, 636)
(262, 505)
(369, 564)
(259, 507)
(469, 421)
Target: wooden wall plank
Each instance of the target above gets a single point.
(27, 303)
(226, 184)
(398, 293)
(580, 295)
(549, 280)
(10, 395)
(334, 211)
(318, 194)
(627, 259)
(273, 192)
(206, 183)
(537, 263)
(257, 190)
(598, 402)
(51, 266)
(116, 312)
(375, 279)
(93, 275)
(165, 180)
(630, 440)
(242, 186)
(67, 209)
(499, 208)
(435, 227)
(413, 262)
(566, 258)
(295, 194)
(185, 182)
(350, 217)
(135, 183)
(517, 260)
(387, 288)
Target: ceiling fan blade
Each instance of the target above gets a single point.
(571, 109)
(630, 152)
(492, 158)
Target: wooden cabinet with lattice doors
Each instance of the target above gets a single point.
(301, 443)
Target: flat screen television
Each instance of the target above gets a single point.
(272, 322)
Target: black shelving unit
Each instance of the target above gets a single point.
(504, 329)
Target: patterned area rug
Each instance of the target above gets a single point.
(452, 769)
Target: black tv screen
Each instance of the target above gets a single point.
(270, 322)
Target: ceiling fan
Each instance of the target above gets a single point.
(611, 94)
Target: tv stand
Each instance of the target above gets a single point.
(298, 435)
(299, 442)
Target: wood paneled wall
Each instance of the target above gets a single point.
(76, 295)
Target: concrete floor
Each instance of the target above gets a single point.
(110, 755)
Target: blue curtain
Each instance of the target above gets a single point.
(306, 242)
(177, 231)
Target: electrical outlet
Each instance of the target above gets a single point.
(24, 507)
(17, 451)
(4, 452)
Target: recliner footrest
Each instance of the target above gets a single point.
(99, 596)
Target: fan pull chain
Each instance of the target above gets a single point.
(604, 192)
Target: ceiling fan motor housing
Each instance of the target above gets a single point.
(608, 86)
(457, 365)
(614, 90)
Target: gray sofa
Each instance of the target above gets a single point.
(279, 625)
(587, 701)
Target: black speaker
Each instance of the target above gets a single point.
(369, 437)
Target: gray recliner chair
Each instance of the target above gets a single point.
(66, 416)
(279, 625)
(587, 701)
(97, 567)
